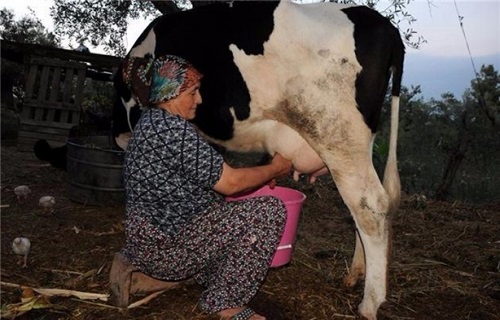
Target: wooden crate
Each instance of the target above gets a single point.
(54, 93)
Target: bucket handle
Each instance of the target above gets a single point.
(283, 247)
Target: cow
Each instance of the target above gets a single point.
(305, 80)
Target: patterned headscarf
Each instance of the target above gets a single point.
(154, 80)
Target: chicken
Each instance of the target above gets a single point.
(22, 192)
(47, 202)
(21, 247)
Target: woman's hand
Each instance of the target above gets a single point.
(234, 180)
(281, 165)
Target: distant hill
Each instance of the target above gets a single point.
(437, 75)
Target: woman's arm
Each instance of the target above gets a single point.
(234, 180)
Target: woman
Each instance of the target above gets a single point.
(178, 224)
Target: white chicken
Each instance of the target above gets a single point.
(22, 192)
(47, 202)
(21, 247)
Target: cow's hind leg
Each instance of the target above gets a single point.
(369, 205)
(357, 270)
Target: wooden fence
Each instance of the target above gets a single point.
(53, 96)
(54, 84)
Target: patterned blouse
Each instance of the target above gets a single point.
(169, 171)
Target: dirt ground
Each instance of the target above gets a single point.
(445, 262)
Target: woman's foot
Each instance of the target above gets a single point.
(241, 313)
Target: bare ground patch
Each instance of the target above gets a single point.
(445, 262)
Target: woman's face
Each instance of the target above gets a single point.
(184, 104)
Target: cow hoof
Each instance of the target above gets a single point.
(367, 314)
(368, 308)
(352, 279)
(371, 317)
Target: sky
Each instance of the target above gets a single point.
(439, 24)
(440, 65)
(443, 64)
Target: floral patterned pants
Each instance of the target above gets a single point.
(228, 249)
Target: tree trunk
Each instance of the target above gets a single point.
(456, 158)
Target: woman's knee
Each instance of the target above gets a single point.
(262, 212)
(271, 213)
(277, 208)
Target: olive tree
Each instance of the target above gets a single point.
(105, 22)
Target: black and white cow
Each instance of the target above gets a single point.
(306, 81)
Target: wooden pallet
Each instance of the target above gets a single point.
(54, 93)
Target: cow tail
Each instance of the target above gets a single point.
(392, 183)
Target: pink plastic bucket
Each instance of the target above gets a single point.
(293, 200)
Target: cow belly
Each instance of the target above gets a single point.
(275, 137)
